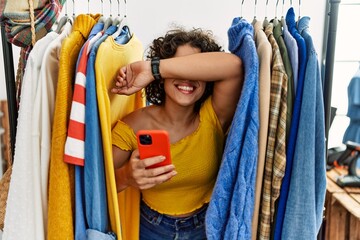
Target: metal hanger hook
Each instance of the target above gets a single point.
(125, 15)
(66, 8)
(118, 1)
(110, 8)
(255, 8)
(73, 8)
(102, 7)
(241, 7)
(276, 7)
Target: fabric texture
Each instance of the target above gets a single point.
(293, 52)
(24, 202)
(81, 223)
(290, 149)
(305, 203)
(275, 159)
(61, 175)
(230, 210)
(264, 52)
(92, 234)
(192, 160)
(111, 108)
(16, 17)
(94, 174)
(289, 73)
(154, 225)
(4, 190)
(43, 112)
(75, 141)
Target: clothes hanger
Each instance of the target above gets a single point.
(123, 24)
(117, 20)
(102, 18)
(88, 12)
(276, 21)
(291, 5)
(282, 13)
(73, 16)
(254, 19)
(266, 21)
(297, 23)
(241, 8)
(108, 20)
(63, 20)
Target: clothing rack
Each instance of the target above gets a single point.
(328, 75)
(329, 63)
(10, 88)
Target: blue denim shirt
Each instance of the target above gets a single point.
(292, 141)
(304, 206)
(80, 219)
(94, 172)
(231, 207)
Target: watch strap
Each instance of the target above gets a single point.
(155, 68)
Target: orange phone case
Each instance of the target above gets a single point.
(154, 143)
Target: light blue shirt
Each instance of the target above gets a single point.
(80, 219)
(94, 178)
(305, 203)
(292, 140)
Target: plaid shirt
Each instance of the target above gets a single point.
(275, 159)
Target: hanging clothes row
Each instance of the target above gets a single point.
(273, 168)
(66, 114)
(272, 182)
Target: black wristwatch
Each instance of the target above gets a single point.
(155, 68)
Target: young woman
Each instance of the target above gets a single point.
(193, 90)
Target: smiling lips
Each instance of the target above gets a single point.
(186, 88)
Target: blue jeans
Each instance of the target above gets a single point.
(157, 226)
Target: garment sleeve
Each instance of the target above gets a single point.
(124, 137)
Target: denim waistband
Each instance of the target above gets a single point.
(177, 223)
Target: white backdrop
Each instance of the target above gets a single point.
(149, 19)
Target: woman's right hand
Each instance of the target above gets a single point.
(133, 77)
(137, 174)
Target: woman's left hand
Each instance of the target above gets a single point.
(132, 78)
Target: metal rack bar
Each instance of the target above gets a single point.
(10, 88)
(329, 63)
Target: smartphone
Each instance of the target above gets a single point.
(153, 143)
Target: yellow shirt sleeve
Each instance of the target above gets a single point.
(124, 137)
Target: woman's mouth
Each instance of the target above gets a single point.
(186, 89)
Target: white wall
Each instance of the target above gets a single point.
(151, 18)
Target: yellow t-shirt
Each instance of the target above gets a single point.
(196, 158)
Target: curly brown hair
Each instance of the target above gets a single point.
(166, 46)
